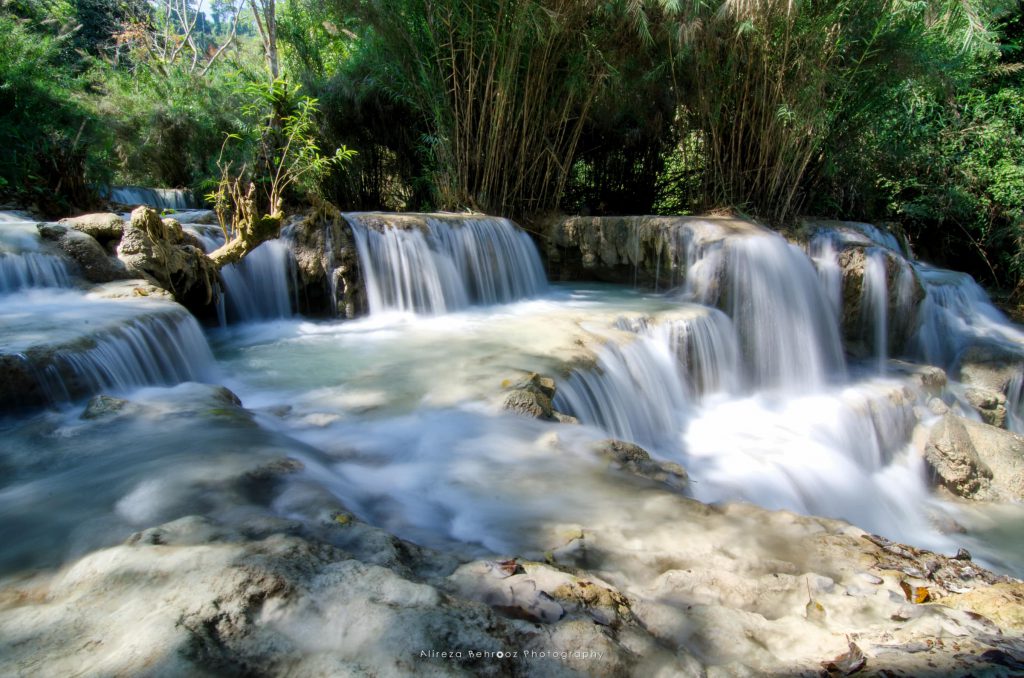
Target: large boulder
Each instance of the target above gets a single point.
(1002, 453)
(95, 262)
(990, 366)
(156, 249)
(106, 227)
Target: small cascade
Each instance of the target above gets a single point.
(875, 303)
(788, 335)
(642, 391)
(956, 312)
(260, 287)
(165, 349)
(823, 249)
(440, 264)
(23, 261)
(160, 198)
(49, 358)
(32, 269)
(636, 392)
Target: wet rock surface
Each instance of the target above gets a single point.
(330, 283)
(106, 227)
(96, 264)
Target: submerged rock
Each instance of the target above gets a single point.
(637, 461)
(103, 406)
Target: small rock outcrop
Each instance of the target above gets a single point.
(157, 249)
(330, 283)
(532, 397)
(990, 405)
(95, 262)
(954, 461)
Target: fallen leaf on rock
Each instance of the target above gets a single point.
(915, 594)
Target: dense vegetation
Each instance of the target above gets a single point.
(903, 110)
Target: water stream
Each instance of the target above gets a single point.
(737, 373)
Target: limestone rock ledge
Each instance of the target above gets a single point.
(730, 590)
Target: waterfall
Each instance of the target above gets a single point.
(445, 264)
(124, 344)
(24, 263)
(875, 303)
(956, 312)
(160, 198)
(788, 333)
(642, 391)
(823, 249)
(260, 287)
(32, 269)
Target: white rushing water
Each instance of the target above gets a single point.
(737, 374)
(73, 345)
(160, 198)
(24, 260)
(261, 286)
(446, 266)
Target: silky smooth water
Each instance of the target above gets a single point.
(737, 374)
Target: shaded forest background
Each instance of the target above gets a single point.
(877, 110)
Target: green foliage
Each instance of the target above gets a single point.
(167, 126)
(45, 128)
(281, 136)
